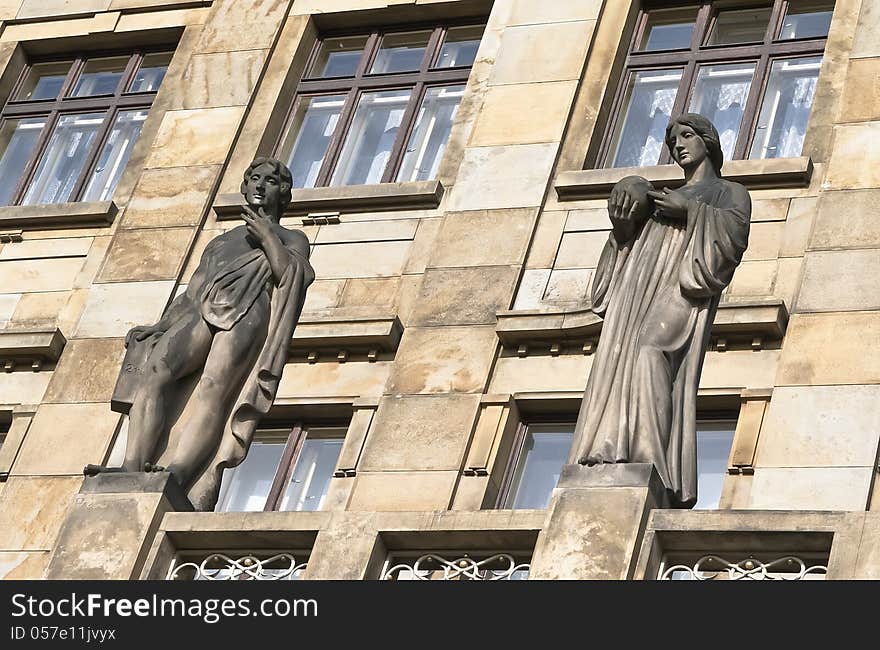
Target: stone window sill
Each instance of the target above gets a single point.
(58, 215)
(346, 330)
(754, 322)
(33, 347)
(349, 198)
(754, 174)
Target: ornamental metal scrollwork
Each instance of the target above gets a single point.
(713, 567)
(434, 567)
(219, 566)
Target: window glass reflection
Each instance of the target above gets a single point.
(100, 76)
(314, 468)
(669, 29)
(17, 141)
(427, 143)
(544, 452)
(305, 145)
(720, 95)
(740, 26)
(460, 47)
(401, 52)
(339, 57)
(151, 73)
(114, 155)
(44, 81)
(807, 19)
(245, 487)
(714, 440)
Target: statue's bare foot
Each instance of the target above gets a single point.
(586, 460)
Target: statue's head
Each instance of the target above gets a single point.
(267, 184)
(687, 150)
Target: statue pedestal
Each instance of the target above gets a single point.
(597, 520)
(111, 524)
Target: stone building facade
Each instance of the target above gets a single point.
(446, 343)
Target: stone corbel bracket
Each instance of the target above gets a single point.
(322, 335)
(754, 174)
(32, 347)
(753, 322)
(418, 195)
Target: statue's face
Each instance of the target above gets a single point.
(262, 189)
(688, 148)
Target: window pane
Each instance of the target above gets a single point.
(304, 146)
(44, 81)
(460, 47)
(545, 449)
(339, 57)
(720, 96)
(740, 26)
(401, 52)
(428, 140)
(669, 29)
(371, 137)
(63, 159)
(151, 73)
(807, 19)
(314, 469)
(785, 111)
(245, 488)
(640, 136)
(17, 141)
(114, 155)
(100, 76)
(714, 439)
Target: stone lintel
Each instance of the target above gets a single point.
(58, 215)
(32, 345)
(766, 320)
(754, 174)
(141, 483)
(348, 198)
(317, 332)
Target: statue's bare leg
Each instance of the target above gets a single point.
(180, 351)
(231, 358)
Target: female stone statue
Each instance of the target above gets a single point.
(658, 283)
(210, 368)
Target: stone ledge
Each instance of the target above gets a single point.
(745, 320)
(754, 174)
(58, 215)
(348, 198)
(330, 330)
(33, 346)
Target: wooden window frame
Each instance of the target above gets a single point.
(289, 459)
(763, 54)
(362, 82)
(63, 104)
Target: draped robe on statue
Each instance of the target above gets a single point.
(658, 293)
(234, 282)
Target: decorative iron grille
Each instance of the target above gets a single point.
(432, 566)
(713, 567)
(219, 566)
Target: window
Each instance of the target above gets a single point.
(750, 68)
(378, 108)
(69, 127)
(284, 470)
(541, 449)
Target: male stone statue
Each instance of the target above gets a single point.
(200, 379)
(668, 258)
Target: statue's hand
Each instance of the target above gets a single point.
(672, 204)
(142, 332)
(258, 224)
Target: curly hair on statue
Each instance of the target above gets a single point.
(282, 171)
(703, 128)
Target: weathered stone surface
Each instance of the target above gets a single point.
(796, 232)
(849, 145)
(423, 245)
(530, 293)
(523, 114)
(148, 254)
(366, 231)
(447, 296)
(502, 177)
(569, 287)
(862, 91)
(46, 248)
(9, 303)
(113, 309)
(524, 56)
(443, 360)
(820, 426)
(811, 488)
(22, 276)
(528, 12)
(64, 438)
(403, 491)
(580, 250)
(545, 242)
(23, 386)
(829, 349)
(540, 373)
(86, 372)
(32, 510)
(170, 197)
(324, 294)
(753, 279)
(256, 24)
(23, 566)
(360, 260)
(739, 368)
(370, 292)
(824, 287)
(847, 220)
(508, 230)
(333, 379)
(764, 241)
(867, 36)
(45, 8)
(194, 137)
(419, 433)
(221, 79)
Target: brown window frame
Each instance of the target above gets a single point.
(63, 104)
(299, 432)
(353, 87)
(762, 53)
